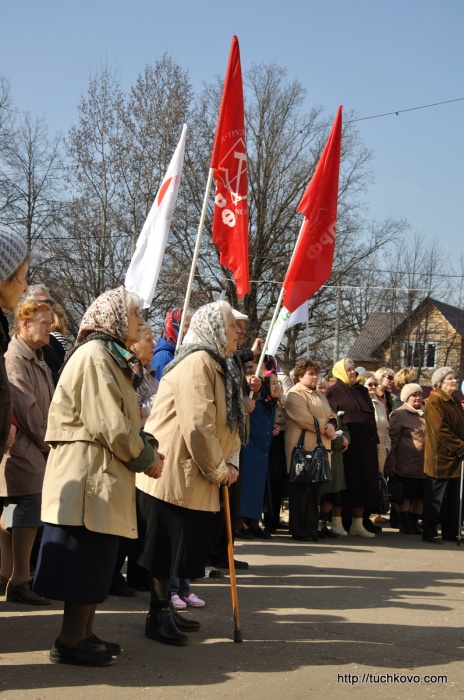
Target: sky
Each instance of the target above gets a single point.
(371, 56)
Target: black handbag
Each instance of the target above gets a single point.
(395, 489)
(310, 467)
(384, 496)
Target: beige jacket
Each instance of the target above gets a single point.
(301, 407)
(22, 470)
(94, 433)
(189, 419)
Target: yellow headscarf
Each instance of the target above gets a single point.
(339, 372)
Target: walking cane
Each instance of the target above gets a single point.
(460, 505)
(230, 554)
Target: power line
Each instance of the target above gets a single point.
(409, 109)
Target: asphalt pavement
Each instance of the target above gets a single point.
(350, 617)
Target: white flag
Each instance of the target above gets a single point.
(142, 275)
(284, 321)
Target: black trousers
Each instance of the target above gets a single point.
(441, 505)
(303, 502)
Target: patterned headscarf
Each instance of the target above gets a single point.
(171, 326)
(108, 314)
(106, 320)
(208, 332)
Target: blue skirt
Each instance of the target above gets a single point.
(75, 565)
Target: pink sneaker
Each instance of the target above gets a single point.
(193, 600)
(177, 603)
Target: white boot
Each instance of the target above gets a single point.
(357, 528)
(337, 527)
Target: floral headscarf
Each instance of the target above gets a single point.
(171, 326)
(208, 332)
(108, 314)
(106, 321)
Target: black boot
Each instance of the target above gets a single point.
(369, 525)
(184, 623)
(413, 522)
(405, 526)
(161, 627)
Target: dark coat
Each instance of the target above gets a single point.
(444, 436)
(360, 459)
(407, 433)
(6, 401)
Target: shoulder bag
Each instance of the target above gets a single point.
(310, 467)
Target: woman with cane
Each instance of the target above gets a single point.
(199, 421)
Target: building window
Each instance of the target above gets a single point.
(419, 355)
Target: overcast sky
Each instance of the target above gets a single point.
(373, 56)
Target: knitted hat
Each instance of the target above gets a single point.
(409, 389)
(439, 375)
(13, 251)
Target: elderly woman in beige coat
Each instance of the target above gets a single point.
(22, 469)
(304, 403)
(96, 445)
(199, 420)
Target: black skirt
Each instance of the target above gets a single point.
(75, 565)
(172, 538)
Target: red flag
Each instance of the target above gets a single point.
(311, 264)
(230, 223)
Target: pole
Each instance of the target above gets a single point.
(337, 326)
(266, 342)
(195, 257)
(460, 505)
(230, 553)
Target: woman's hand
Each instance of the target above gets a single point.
(345, 443)
(156, 468)
(330, 431)
(232, 475)
(275, 430)
(250, 405)
(254, 383)
(11, 438)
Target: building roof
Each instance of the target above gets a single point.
(374, 332)
(380, 326)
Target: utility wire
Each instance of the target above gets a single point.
(410, 109)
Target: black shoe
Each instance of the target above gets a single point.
(111, 648)
(244, 534)
(213, 573)
(432, 540)
(84, 654)
(301, 538)
(161, 627)
(326, 532)
(370, 527)
(184, 623)
(261, 534)
(238, 564)
(119, 586)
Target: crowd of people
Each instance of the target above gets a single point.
(114, 448)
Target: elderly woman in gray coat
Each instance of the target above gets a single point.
(22, 469)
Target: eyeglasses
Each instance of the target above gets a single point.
(371, 386)
(388, 376)
(50, 302)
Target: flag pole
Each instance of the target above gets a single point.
(195, 257)
(276, 311)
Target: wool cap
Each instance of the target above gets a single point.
(439, 375)
(13, 251)
(409, 389)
